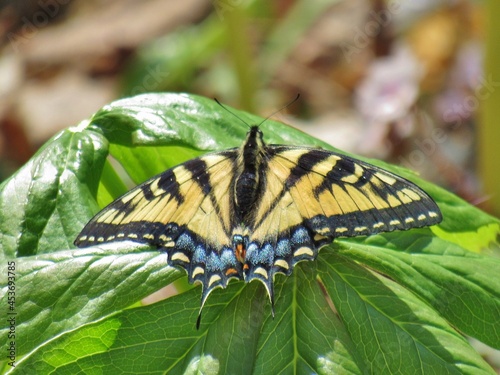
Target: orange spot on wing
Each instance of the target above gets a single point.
(240, 252)
(231, 271)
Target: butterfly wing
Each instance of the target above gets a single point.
(312, 196)
(186, 212)
(307, 198)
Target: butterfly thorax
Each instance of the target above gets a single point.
(247, 187)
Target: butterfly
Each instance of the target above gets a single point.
(250, 212)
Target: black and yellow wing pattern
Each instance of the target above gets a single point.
(251, 212)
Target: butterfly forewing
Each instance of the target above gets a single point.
(348, 197)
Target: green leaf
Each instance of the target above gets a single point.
(389, 303)
(165, 335)
(393, 330)
(63, 290)
(441, 273)
(42, 205)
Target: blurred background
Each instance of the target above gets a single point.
(413, 83)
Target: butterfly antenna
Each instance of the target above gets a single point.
(282, 108)
(234, 114)
(267, 118)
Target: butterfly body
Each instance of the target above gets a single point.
(247, 182)
(251, 212)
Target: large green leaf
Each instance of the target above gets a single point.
(390, 303)
(393, 330)
(166, 336)
(45, 203)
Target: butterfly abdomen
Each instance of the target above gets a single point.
(247, 185)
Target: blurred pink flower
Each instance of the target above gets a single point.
(386, 96)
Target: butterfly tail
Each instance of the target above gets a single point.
(204, 295)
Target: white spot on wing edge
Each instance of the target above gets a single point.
(281, 263)
(261, 271)
(198, 271)
(319, 237)
(180, 256)
(303, 251)
(213, 280)
(360, 229)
